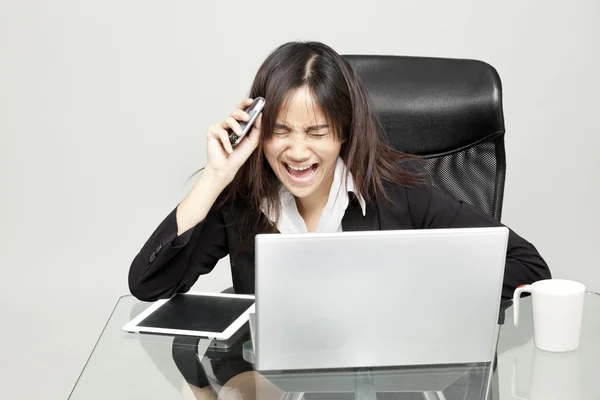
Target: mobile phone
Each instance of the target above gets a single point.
(253, 111)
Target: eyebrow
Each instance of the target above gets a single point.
(309, 128)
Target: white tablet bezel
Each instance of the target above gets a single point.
(133, 327)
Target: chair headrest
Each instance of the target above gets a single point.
(432, 106)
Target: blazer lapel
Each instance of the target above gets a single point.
(381, 215)
(355, 221)
(395, 214)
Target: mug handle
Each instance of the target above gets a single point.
(516, 298)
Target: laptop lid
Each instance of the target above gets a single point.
(378, 298)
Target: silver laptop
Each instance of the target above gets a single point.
(380, 298)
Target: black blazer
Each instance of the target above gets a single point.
(168, 264)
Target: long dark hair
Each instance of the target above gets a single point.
(346, 105)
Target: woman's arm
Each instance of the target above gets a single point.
(432, 208)
(187, 244)
(192, 239)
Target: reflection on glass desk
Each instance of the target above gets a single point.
(526, 372)
(133, 366)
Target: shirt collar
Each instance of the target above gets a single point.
(338, 180)
(337, 186)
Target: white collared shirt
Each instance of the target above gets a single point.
(290, 220)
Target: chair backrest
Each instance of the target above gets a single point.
(449, 111)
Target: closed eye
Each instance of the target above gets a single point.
(315, 131)
(318, 135)
(318, 131)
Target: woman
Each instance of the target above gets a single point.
(315, 161)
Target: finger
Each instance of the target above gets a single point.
(240, 115)
(223, 136)
(234, 125)
(220, 134)
(244, 103)
(213, 131)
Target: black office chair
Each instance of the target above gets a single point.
(449, 111)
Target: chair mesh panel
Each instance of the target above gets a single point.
(474, 175)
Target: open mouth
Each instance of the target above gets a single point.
(300, 173)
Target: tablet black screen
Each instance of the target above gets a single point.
(197, 313)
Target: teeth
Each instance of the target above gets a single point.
(299, 168)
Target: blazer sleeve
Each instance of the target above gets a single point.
(432, 208)
(169, 264)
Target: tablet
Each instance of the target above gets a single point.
(212, 315)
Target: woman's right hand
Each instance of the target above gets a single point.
(224, 160)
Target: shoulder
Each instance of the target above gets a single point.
(413, 200)
(403, 206)
(230, 204)
(418, 192)
(409, 174)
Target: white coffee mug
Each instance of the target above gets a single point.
(557, 312)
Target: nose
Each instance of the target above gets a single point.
(298, 149)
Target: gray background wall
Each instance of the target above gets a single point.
(104, 107)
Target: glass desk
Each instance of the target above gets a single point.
(133, 366)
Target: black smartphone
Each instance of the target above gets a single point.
(253, 111)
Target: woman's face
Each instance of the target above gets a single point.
(303, 150)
